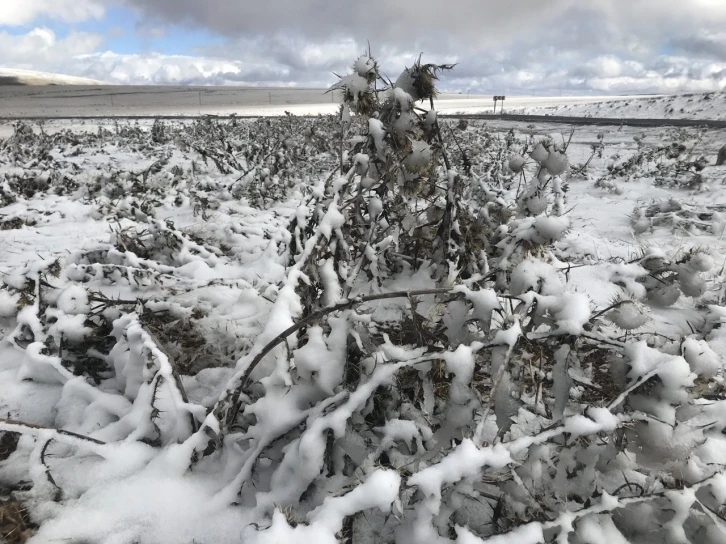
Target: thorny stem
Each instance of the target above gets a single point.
(347, 305)
(611, 307)
(13, 426)
(354, 275)
(59, 491)
(441, 140)
(493, 393)
(566, 519)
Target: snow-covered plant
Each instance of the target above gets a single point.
(672, 164)
(361, 328)
(679, 216)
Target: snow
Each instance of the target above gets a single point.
(629, 315)
(516, 163)
(530, 533)
(555, 163)
(33, 77)
(701, 358)
(461, 363)
(466, 461)
(379, 490)
(73, 300)
(90, 98)
(681, 106)
(539, 153)
(8, 304)
(232, 285)
(420, 155)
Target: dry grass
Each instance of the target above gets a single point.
(8, 444)
(606, 389)
(15, 524)
(14, 224)
(182, 341)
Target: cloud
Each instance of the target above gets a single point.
(534, 46)
(81, 54)
(711, 44)
(524, 47)
(410, 22)
(22, 12)
(442, 25)
(153, 69)
(40, 49)
(283, 60)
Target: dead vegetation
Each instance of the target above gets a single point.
(16, 526)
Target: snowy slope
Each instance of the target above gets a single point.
(11, 76)
(683, 106)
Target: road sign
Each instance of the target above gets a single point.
(497, 98)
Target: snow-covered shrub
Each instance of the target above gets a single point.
(679, 216)
(369, 334)
(671, 164)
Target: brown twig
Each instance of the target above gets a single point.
(59, 491)
(19, 426)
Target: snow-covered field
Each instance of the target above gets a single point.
(83, 100)
(118, 100)
(555, 367)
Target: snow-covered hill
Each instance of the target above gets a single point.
(10, 76)
(683, 106)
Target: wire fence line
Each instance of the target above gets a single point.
(29, 101)
(505, 118)
(236, 97)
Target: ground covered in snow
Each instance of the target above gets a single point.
(85, 100)
(195, 349)
(680, 106)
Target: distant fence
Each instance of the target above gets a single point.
(218, 97)
(118, 100)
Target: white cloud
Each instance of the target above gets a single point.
(40, 49)
(286, 59)
(154, 68)
(606, 66)
(23, 12)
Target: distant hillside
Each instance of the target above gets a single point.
(680, 106)
(10, 76)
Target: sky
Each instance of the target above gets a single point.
(527, 47)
